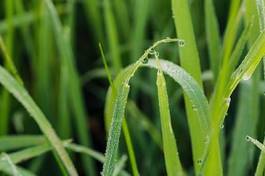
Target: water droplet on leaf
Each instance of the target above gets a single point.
(145, 61)
(247, 138)
(199, 161)
(181, 43)
(246, 77)
(227, 101)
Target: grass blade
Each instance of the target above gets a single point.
(213, 36)
(246, 121)
(173, 164)
(15, 142)
(75, 93)
(115, 129)
(190, 61)
(23, 97)
(112, 36)
(261, 164)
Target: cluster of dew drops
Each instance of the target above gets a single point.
(153, 52)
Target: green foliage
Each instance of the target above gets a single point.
(108, 101)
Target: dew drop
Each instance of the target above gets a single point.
(181, 43)
(145, 60)
(194, 108)
(227, 101)
(207, 140)
(222, 126)
(246, 77)
(247, 138)
(199, 161)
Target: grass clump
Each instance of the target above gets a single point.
(84, 101)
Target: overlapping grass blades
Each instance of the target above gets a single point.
(23, 97)
(115, 104)
(75, 94)
(190, 61)
(248, 111)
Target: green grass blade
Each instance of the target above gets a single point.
(246, 121)
(122, 16)
(213, 36)
(248, 106)
(234, 18)
(124, 124)
(190, 61)
(256, 143)
(261, 14)
(189, 56)
(21, 170)
(23, 97)
(261, 164)
(129, 144)
(144, 122)
(76, 98)
(94, 18)
(84, 150)
(13, 168)
(115, 129)
(140, 17)
(112, 36)
(173, 164)
(15, 142)
(191, 88)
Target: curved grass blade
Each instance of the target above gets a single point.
(23, 97)
(190, 61)
(173, 164)
(115, 110)
(190, 86)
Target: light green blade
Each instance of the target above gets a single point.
(173, 164)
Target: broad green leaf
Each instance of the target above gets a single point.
(173, 164)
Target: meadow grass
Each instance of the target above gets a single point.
(93, 106)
